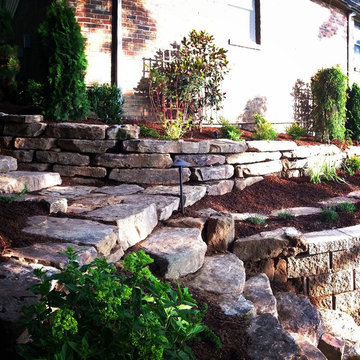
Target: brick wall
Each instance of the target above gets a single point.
(95, 20)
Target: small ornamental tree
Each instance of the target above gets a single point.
(328, 88)
(353, 112)
(9, 62)
(63, 47)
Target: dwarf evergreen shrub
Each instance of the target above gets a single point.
(63, 47)
(353, 111)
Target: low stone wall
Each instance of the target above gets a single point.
(115, 152)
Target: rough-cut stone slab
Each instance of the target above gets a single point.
(299, 211)
(68, 192)
(34, 143)
(15, 181)
(237, 305)
(328, 240)
(340, 325)
(220, 274)
(337, 200)
(194, 147)
(202, 160)
(26, 129)
(149, 176)
(310, 351)
(64, 158)
(313, 162)
(21, 119)
(258, 290)
(7, 163)
(22, 155)
(123, 132)
(267, 145)
(298, 315)
(263, 168)
(212, 173)
(245, 216)
(227, 146)
(270, 244)
(353, 231)
(88, 171)
(34, 167)
(218, 188)
(53, 204)
(355, 194)
(187, 222)
(348, 302)
(151, 146)
(308, 265)
(220, 232)
(192, 194)
(5, 141)
(134, 160)
(252, 157)
(76, 131)
(205, 213)
(48, 254)
(123, 189)
(177, 251)
(241, 184)
(331, 283)
(116, 254)
(306, 151)
(15, 280)
(87, 146)
(331, 347)
(77, 231)
(91, 202)
(134, 221)
(268, 340)
(344, 259)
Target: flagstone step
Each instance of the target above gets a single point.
(15, 181)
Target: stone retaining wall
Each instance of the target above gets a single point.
(115, 153)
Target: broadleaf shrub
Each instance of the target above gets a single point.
(328, 88)
(264, 130)
(296, 131)
(63, 47)
(96, 313)
(352, 164)
(353, 112)
(107, 102)
(230, 131)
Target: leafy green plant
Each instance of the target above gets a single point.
(97, 313)
(183, 87)
(329, 215)
(346, 206)
(353, 111)
(106, 101)
(328, 87)
(230, 131)
(285, 215)
(148, 132)
(296, 131)
(326, 170)
(352, 165)
(256, 220)
(63, 48)
(176, 128)
(32, 93)
(264, 130)
(12, 198)
(9, 62)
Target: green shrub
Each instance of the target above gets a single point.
(353, 112)
(329, 215)
(176, 128)
(106, 101)
(96, 313)
(285, 215)
(63, 48)
(264, 130)
(352, 164)
(148, 132)
(323, 171)
(9, 62)
(296, 131)
(32, 93)
(346, 207)
(230, 131)
(256, 220)
(328, 88)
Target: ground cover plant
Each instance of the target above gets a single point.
(285, 214)
(263, 130)
(98, 313)
(256, 220)
(345, 207)
(230, 131)
(329, 215)
(326, 170)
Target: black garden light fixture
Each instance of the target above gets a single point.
(180, 163)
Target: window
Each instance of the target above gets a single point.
(243, 17)
(356, 46)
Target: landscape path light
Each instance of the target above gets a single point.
(180, 163)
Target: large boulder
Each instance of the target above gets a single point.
(220, 232)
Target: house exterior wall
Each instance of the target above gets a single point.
(95, 20)
(297, 38)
